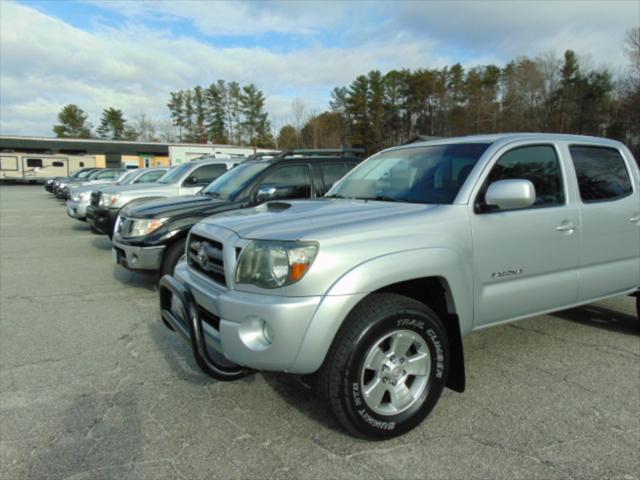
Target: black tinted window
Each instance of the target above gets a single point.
(292, 181)
(58, 164)
(332, 172)
(34, 162)
(208, 173)
(537, 163)
(602, 174)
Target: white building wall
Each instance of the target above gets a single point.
(180, 153)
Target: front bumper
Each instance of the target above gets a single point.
(62, 193)
(233, 323)
(73, 210)
(137, 258)
(102, 219)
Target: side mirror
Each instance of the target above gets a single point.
(511, 194)
(265, 193)
(193, 180)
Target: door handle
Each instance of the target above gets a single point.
(567, 227)
(635, 219)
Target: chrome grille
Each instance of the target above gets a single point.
(206, 256)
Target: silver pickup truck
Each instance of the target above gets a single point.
(80, 196)
(183, 179)
(373, 287)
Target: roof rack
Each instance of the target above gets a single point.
(259, 155)
(311, 152)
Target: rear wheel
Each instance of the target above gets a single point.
(387, 366)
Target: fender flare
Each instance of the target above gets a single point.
(365, 278)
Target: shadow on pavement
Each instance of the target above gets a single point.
(601, 317)
(299, 392)
(80, 227)
(102, 242)
(132, 279)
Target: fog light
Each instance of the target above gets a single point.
(255, 334)
(134, 259)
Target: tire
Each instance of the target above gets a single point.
(94, 230)
(638, 305)
(366, 339)
(171, 257)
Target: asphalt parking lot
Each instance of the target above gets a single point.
(92, 385)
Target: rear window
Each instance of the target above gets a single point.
(602, 173)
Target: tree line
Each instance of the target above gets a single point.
(222, 113)
(73, 123)
(376, 110)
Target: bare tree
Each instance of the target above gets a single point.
(167, 132)
(300, 116)
(145, 128)
(632, 49)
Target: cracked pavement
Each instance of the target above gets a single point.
(92, 385)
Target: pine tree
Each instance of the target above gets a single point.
(215, 97)
(113, 126)
(199, 112)
(176, 110)
(255, 125)
(73, 123)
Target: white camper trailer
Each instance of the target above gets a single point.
(34, 168)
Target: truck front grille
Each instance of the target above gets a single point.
(95, 199)
(205, 256)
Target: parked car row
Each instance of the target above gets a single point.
(368, 274)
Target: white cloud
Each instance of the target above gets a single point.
(46, 63)
(237, 17)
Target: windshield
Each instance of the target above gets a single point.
(127, 177)
(93, 174)
(81, 173)
(174, 174)
(430, 174)
(234, 181)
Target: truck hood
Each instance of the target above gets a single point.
(176, 206)
(314, 219)
(131, 188)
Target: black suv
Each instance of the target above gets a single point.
(151, 236)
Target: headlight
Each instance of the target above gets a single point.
(75, 197)
(106, 200)
(274, 264)
(140, 228)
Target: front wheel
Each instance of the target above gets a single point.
(171, 257)
(387, 366)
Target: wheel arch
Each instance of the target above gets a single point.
(429, 275)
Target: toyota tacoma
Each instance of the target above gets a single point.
(372, 287)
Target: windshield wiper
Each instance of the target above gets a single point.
(384, 198)
(213, 194)
(335, 195)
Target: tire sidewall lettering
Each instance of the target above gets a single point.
(405, 321)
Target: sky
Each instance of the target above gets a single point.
(131, 54)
